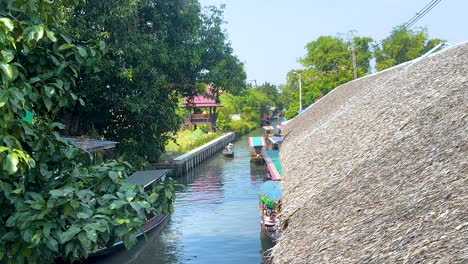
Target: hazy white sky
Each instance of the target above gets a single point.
(270, 35)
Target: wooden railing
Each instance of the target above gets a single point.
(200, 118)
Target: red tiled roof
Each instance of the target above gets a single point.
(201, 101)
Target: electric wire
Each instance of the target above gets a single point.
(421, 13)
(418, 13)
(428, 7)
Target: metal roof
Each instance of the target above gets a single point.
(90, 144)
(146, 178)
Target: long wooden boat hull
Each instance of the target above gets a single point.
(257, 160)
(151, 224)
(228, 154)
(270, 232)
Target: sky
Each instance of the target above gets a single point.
(269, 36)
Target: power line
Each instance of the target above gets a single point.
(418, 13)
(421, 13)
(428, 7)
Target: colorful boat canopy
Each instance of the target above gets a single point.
(268, 128)
(275, 139)
(257, 142)
(270, 192)
(273, 163)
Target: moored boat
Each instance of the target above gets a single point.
(228, 151)
(152, 222)
(145, 179)
(272, 160)
(270, 206)
(269, 131)
(257, 143)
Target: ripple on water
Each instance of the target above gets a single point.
(216, 218)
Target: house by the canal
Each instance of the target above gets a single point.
(203, 109)
(377, 170)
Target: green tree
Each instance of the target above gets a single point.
(149, 64)
(271, 91)
(53, 205)
(158, 52)
(328, 64)
(249, 104)
(402, 45)
(327, 53)
(219, 66)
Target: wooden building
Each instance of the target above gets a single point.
(203, 110)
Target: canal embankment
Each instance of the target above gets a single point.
(185, 162)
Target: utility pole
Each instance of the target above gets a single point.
(300, 92)
(353, 50)
(300, 89)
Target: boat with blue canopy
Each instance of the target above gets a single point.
(272, 160)
(270, 196)
(257, 143)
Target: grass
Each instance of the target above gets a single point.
(188, 140)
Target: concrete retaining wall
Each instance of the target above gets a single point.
(187, 161)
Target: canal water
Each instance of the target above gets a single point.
(216, 217)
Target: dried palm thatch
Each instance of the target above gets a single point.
(377, 171)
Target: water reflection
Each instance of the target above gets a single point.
(258, 173)
(216, 217)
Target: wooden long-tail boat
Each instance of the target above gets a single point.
(257, 143)
(146, 179)
(270, 206)
(228, 151)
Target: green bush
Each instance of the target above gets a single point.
(242, 127)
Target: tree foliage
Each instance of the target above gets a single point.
(250, 104)
(403, 45)
(328, 63)
(53, 204)
(158, 51)
(150, 62)
(219, 66)
(271, 91)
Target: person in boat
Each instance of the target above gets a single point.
(229, 147)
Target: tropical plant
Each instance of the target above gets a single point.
(158, 52)
(53, 204)
(250, 104)
(152, 59)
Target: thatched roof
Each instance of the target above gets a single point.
(377, 171)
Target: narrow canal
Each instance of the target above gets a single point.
(216, 217)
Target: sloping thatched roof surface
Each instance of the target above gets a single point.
(377, 171)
